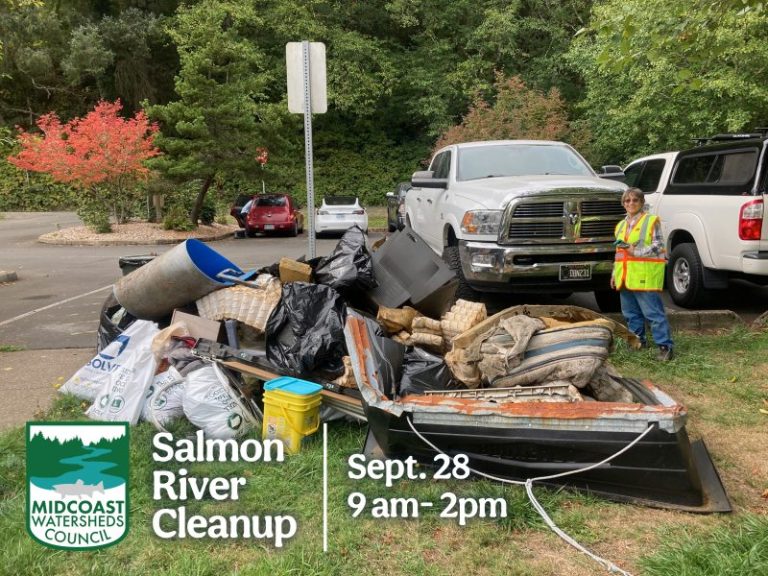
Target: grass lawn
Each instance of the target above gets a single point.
(722, 378)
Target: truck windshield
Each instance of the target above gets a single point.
(519, 160)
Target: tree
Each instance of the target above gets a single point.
(667, 93)
(102, 154)
(518, 112)
(222, 111)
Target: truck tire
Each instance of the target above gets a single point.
(464, 290)
(685, 276)
(608, 300)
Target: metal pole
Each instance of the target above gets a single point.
(308, 148)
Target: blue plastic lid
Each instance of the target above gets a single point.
(293, 385)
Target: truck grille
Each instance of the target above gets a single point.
(536, 230)
(532, 220)
(539, 210)
(602, 208)
(598, 228)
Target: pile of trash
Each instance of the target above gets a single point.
(289, 319)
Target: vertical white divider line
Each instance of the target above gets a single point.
(325, 487)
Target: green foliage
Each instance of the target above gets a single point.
(177, 218)
(94, 214)
(208, 212)
(666, 89)
(212, 128)
(740, 549)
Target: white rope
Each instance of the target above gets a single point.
(607, 564)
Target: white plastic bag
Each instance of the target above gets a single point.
(163, 401)
(110, 363)
(212, 405)
(122, 375)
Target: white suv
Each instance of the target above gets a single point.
(711, 203)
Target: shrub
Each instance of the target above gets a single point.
(177, 218)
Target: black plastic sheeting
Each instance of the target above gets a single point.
(305, 332)
(425, 371)
(349, 266)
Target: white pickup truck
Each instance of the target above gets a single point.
(518, 216)
(711, 203)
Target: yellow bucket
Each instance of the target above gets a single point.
(291, 411)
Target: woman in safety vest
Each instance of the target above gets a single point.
(638, 272)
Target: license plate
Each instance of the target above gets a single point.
(570, 272)
(340, 216)
(269, 226)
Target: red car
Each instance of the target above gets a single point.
(274, 213)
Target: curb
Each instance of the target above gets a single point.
(8, 276)
(148, 242)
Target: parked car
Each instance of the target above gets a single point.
(237, 207)
(338, 213)
(396, 207)
(711, 201)
(271, 213)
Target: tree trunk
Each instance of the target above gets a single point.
(198, 207)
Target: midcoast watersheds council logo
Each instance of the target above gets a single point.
(77, 484)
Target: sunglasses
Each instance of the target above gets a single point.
(631, 200)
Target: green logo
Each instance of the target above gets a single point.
(77, 484)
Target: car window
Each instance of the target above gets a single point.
(520, 160)
(632, 174)
(445, 166)
(339, 200)
(242, 199)
(271, 201)
(721, 172)
(649, 180)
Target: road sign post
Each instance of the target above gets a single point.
(307, 94)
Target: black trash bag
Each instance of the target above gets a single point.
(305, 332)
(425, 371)
(349, 266)
(387, 355)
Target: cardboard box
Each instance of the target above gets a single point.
(294, 271)
(198, 327)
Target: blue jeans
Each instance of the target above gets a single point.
(637, 307)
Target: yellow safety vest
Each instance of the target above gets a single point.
(635, 272)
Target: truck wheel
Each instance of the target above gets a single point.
(608, 300)
(464, 290)
(685, 276)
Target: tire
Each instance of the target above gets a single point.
(464, 290)
(685, 276)
(250, 232)
(608, 300)
(295, 230)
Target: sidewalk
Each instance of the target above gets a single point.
(28, 380)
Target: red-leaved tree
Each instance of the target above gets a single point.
(517, 112)
(102, 154)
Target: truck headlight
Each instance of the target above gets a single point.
(481, 222)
